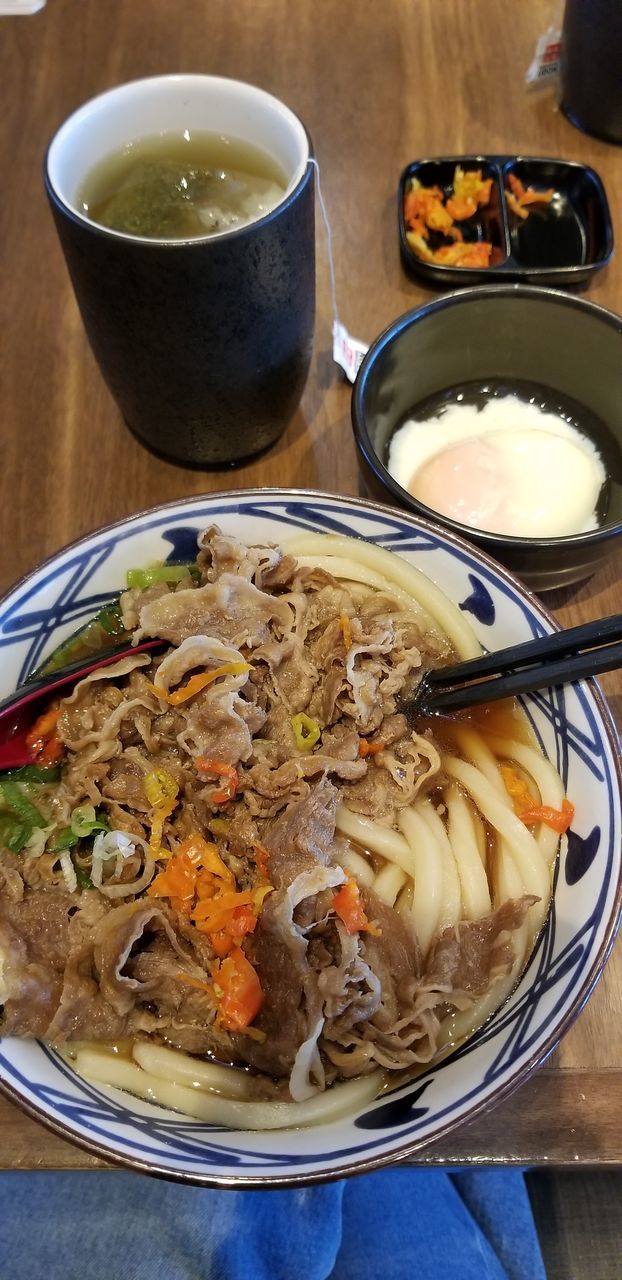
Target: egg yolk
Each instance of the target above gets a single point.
(522, 483)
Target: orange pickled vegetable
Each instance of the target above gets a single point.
(538, 197)
(346, 630)
(221, 770)
(261, 860)
(176, 882)
(558, 819)
(469, 185)
(517, 789)
(438, 218)
(348, 906)
(419, 246)
(238, 991)
(205, 855)
(426, 210)
(518, 196)
(460, 207)
(216, 913)
(528, 809)
(516, 206)
(200, 885)
(198, 682)
(464, 255)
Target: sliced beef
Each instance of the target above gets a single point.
(303, 835)
(230, 609)
(465, 958)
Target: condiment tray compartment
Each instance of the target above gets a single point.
(562, 239)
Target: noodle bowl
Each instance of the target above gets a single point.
(251, 860)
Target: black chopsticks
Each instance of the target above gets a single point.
(586, 650)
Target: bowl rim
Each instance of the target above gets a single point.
(504, 542)
(411, 1146)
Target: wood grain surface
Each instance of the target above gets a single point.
(377, 85)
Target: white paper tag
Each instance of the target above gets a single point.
(348, 352)
(13, 7)
(545, 65)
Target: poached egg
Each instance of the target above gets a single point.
(509, 468)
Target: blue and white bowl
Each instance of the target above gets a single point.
(574, 729)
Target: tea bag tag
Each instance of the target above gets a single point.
(544, 69)
(20, 6)
(347, 351)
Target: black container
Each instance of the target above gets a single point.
(204, 343)
(561, 243)
(512, 333)
(591, 67)
(206, 366)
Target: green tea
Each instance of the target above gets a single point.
(171, 187)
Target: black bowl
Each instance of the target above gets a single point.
(509, 333)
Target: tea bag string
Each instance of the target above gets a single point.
(348, 352)
(329, 238)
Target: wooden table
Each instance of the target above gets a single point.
(377, 85)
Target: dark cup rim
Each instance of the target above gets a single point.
(506, 542)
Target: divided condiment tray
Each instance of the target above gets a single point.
(562, 242)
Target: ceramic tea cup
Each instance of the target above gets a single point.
(204, 343)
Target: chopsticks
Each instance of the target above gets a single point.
(586, 650)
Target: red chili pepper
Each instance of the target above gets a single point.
(222, 771)
(44, 742)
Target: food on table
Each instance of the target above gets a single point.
(489, 465)
(426, 210)
(171, 186)
(519, 197)
(241, 854)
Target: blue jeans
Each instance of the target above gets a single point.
(398, 1224)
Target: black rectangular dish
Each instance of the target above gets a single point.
(529, 219)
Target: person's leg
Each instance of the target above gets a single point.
(498, 1202)
(123, 1226)
(424, 1224)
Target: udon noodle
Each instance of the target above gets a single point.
(238, 882)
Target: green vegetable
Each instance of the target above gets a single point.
(14, 835)
(19, 804)
(84, 821)
(89, 640)
(143, 578)
(42, 773)
(110, 619)
(306, 731)
(66, 839)
(84, 881)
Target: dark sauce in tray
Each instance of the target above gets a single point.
(588, 424)
(552, 236)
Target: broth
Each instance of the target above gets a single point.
(171, 186)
